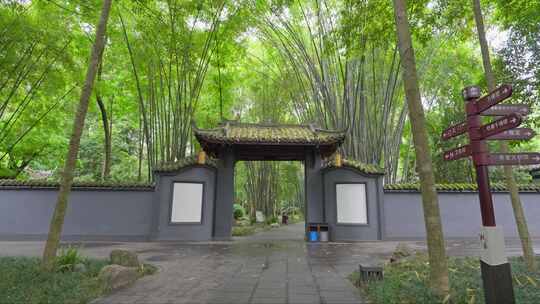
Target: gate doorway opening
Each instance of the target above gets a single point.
(232, 142)
(269, 196)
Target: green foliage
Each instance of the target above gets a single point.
(243, 230)
(408, 282)
(182, 163)
(147, 269)
(246, 76)
(68, 258)
(460, 187)
(12, 183)
(362, 167)
(272, 220)
(23, 281)
(238, 211)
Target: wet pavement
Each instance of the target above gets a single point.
(274, 266)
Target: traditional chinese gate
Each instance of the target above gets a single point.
(232, 141)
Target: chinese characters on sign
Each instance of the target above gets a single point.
(514, 158)
(505, 109)
(457, 153)
(493, 98)
(454, 130)
(508, 122)
(514, 134)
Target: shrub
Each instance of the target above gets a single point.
(272, 220)
(68, 258)
(23, 281)
(407, 281)
(238, 212)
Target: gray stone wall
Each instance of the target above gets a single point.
(348, 232)
(314, 188)
(143, 214)
(460, 213)
(162, 228)
(25, 214)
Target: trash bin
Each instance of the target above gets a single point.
(313, 236)
(323, 236)
(317, 232)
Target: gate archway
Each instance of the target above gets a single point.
(232, 141)
(195, 201)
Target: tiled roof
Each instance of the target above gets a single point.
(460, 187)
(230, 132)
(94, 185)
(362, 167)
(185, 162)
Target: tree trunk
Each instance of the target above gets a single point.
(521, 222)
(57, 221)
(107, 146)
(435, 240)
(106, 169)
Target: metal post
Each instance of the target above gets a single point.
(496, 273)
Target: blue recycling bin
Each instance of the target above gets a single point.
(313, 236)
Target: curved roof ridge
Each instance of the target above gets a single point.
(182, 163)
(358, 165)
(263, 124)
(292, 136)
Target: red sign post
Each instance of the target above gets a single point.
(496, 273)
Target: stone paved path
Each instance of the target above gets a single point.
(274, 266)
(251, 270)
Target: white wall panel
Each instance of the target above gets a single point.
(351, 203)
(187, 203)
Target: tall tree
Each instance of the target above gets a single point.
(346, 77)
(57, 221)
(435, 240)
(107, 125)
(521, 222)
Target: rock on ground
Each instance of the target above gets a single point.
(401, 252)
(124, 258)
(116, 276)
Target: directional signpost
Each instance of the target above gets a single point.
(501, 159)
(457, 153)
(514, 134)
(503, 109)
(455, 130)
(500, 125)
(491, 99)
(496, 273)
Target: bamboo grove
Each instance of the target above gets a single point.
(167, 64)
